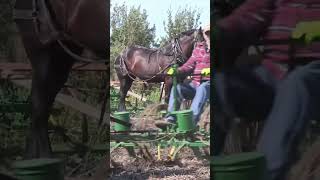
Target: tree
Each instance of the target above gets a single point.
(129, 27)
(185, 19)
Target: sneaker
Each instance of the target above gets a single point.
(163, 124)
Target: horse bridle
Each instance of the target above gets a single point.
(177, 49)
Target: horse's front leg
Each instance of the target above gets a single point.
(49, 75)
(125, 85)
(38, 144)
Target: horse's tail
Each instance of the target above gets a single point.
(120, 65)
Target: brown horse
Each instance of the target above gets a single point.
(150, 64)
(55, 33)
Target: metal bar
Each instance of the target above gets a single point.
(113, 119)
(137, 131)
(63, 148)
(67, 100)
(175, 93)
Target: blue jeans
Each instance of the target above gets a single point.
(189, 91)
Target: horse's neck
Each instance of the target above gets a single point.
(167, 46)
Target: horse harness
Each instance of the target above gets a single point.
(38, 28)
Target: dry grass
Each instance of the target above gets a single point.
(187, 166)
(308, 168)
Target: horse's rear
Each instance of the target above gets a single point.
(80, 24)
(85, 21)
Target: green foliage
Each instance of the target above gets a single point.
(184, 19)
(153, 94)
(129, 27)
(114, 96)
(12, 94)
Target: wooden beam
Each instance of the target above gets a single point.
(69, 101)
(63, 148)
(133, 94)
(76, 67)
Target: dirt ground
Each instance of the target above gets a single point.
(185, 167)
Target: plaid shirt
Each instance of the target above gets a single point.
(273, 19)
(199, 60)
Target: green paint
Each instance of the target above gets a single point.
(243, 166)
(123, 116)
(185, 121)
(174, 84)
(39, 169)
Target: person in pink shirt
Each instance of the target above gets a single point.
(199, 88)
(283, 90)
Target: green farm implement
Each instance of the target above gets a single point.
(184, 134)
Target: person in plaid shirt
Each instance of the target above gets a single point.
(282, 91)
(199, 88)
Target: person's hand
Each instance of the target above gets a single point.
(170, 71)
(205, 72)
(309, 31)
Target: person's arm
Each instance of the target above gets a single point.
(244, 26)
(188, 67)
(249, 20)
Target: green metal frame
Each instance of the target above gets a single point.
(175, 140)
(15, 107)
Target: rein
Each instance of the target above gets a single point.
(78, 57)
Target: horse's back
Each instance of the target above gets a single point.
(84, 20)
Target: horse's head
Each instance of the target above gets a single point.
(183, 45)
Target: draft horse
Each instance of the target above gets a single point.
(55, 33)
(149, 65)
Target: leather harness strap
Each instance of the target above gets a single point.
(25, 16)
(38, 30)
(37, 15)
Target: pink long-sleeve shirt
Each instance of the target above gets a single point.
(199, 60)
(273, 20)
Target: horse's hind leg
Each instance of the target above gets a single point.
(50, 71)
(125, 85)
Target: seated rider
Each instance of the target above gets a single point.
(199, 88)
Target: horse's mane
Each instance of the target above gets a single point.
(151, 50)
(184, 33)
(187, 33)
(140, 47)
(144, 48)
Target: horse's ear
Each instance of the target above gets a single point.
(200, 29)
